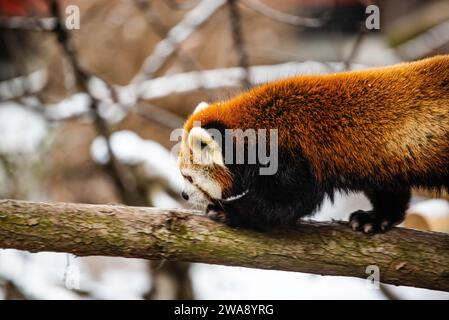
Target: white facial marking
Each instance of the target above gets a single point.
(196, 197)
(204, 182)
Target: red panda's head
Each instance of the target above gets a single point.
(201, 162)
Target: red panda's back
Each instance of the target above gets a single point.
(377, 123)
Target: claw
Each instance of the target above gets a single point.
(368, 228)
(215, 215)
(369, 222)
(354, 225)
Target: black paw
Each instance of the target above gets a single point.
(215, 215)
(369, 222)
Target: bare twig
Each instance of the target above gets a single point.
(354, 49)
(285, 17)
(239, 43)
(188, 62)
(426, 42)
(181, 5)
(168, 46)
(152, 18)
(159, 115)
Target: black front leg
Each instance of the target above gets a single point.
(262, 212)
(389, 207)
(240, 213)
(258, 214)
(272, 200)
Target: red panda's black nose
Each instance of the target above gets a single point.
(185, 195)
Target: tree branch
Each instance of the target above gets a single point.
(404, 257)
(167, 47)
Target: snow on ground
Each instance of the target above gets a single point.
(220, 282)
(48, 275)
(38, 275)
(114, 278)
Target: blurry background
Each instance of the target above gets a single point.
(86, 116)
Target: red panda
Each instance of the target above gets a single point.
(380, 131)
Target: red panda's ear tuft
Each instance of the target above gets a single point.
(205, 149)
(201, 106)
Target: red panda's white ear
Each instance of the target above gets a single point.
(205, 149)
(201, 106)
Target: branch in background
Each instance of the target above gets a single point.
(404, 256)
(124, 181)
(21, 86)
(155, 114)
(225, 78)
(239, 43)
(188, 62)
(354, 49)
(79, 104)
(82, 76)
(170, 274)
(28, 23)
(426, 42)
(11, 291)
(153, 19)
(181, 5)
(283, 17)
(166, 48)
(418, 33)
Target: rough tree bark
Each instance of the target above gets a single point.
(404, 257)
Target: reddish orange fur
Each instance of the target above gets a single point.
(397, 115)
